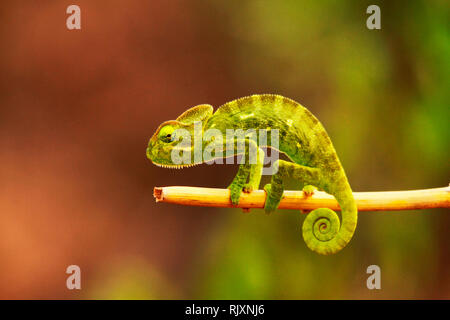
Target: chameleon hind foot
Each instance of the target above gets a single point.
(309, 190)
(273, 199)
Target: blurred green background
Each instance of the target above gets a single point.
(78, 107)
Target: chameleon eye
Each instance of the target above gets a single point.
(170, 137)
(166, 133)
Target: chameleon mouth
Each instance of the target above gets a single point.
(175, 166)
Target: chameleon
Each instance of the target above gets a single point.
(312, 159)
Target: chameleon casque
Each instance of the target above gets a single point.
(303, 139)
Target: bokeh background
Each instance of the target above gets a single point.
(77, 109)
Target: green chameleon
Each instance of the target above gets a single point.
(303, 139)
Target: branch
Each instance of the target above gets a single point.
(366, 201)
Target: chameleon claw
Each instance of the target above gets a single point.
(247, 188)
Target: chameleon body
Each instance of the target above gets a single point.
(314, 162)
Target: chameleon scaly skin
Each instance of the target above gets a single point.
(303, 139)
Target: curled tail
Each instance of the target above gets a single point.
(322, 231)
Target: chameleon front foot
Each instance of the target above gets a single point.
(247, 189)
(235, 192)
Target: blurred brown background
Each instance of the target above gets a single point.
(77, 109)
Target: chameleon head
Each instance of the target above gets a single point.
(176, 137)
(167, 141)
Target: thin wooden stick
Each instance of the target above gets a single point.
(366, 201)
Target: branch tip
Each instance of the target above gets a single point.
(158, 194)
